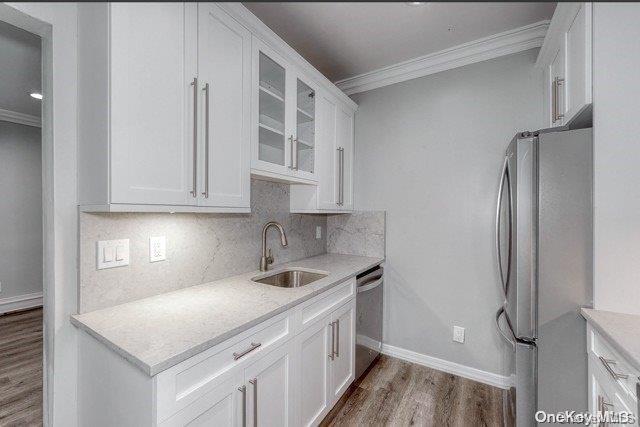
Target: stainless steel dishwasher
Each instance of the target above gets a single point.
(368, 318)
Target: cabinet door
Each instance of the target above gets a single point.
(152, 64)
(327, 153)
(271, 147)
(304, 149)
(557, 86)
(269, 382)
(221, 406)
(579, 62)
(344, 134)
(224, 73)
(343, 364)
(313, 349)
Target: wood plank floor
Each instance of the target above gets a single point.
(21, 368)
(399, 393)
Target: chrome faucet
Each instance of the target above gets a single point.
(268, 259)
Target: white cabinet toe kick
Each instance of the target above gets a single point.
(286, 371)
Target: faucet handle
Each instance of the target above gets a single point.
(269, 257)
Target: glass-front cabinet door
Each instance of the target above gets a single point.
(304, 142)
(269, 136)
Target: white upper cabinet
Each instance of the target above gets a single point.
(224, 74)
(164, 95)
(334, 161)
(284, 123)
(566, 59)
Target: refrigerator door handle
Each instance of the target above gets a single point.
(510, 339)
(504, 177)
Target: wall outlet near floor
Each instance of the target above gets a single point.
(318, 232)
(112, 253)
(157, 248)
(458, 334)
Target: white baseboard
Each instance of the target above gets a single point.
(20, 302)
(446, 366)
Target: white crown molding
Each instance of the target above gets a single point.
(505, 43)
(450, 367)
(260, 30)
(20, 302)
(20, 118)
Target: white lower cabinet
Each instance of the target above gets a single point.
(269, 389)
(286, 371)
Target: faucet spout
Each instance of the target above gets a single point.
(267, 259)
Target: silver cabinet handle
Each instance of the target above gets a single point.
(194, 83)
(254, 383)
(555, 99)
(602, 408)
(338, 338)
(340, 175)
(504, 178)
(511, 340)
(205, 193)
(291, 151)
(237, 356)
(243, 390)
(332, 341)
(607, 365)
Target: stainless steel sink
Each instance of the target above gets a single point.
(290, 278)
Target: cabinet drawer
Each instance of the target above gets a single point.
(182, 384)
(612, 364)
(318, 307)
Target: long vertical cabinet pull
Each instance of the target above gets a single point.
(338, 338)
(254, 383)
(194, 83)
(555, 99)
(294, 153)
(340, 176)
(332, 341)
(243, 390)
(205, 193)
(291, 152)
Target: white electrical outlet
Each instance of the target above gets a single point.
(157, 248)
(318, 232)
(458, 334)
(112, 253)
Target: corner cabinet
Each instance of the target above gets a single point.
(289, 370)
(164, 108)
(284, 119)
(566, 58)
(335, 153)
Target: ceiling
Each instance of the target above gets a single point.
(347, 39)
(19, 70)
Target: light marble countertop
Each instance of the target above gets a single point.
(622, 331)
(158, 332)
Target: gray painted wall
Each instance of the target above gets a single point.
(429, 152)
(200, 247)
(20, 210)
(616, 216)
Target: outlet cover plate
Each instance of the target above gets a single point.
(458, 334)
(157, 248)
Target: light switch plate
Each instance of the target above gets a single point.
(458, 334)
(157, 248)
(112, 253)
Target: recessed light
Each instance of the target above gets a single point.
(36, 95)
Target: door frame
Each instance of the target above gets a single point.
(44, 30)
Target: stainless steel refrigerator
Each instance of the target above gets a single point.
(544, 241)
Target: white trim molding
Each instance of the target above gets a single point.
(20, 118)
(485, 377)
(20, 302)
(501, 44)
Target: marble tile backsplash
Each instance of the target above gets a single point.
(200, 247)
(361, 233)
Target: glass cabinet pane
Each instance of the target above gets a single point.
(271, 138)
(305, 127)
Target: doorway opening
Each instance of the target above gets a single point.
(21, 228)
